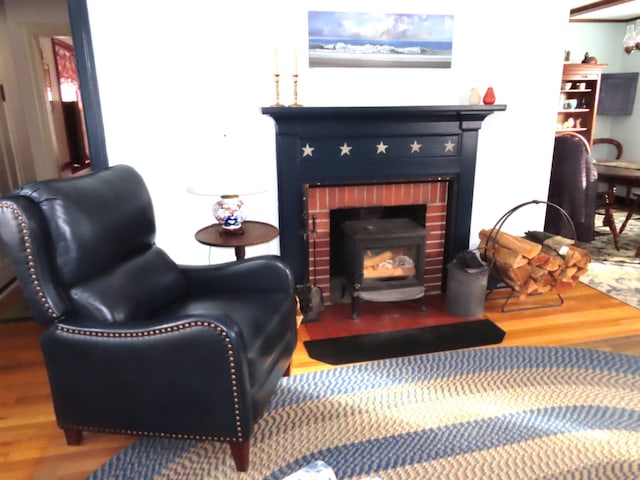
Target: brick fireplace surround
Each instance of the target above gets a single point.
(433, 194)
(340, 157)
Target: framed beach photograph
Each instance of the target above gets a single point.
(347, 39)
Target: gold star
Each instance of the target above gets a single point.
(345, 149)
(382, 148)
(307, 150)
(415, 146)
(448, 147)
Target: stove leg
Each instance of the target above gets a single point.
(354, 307)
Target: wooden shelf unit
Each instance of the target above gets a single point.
(581, 119)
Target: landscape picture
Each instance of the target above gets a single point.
(343, 39)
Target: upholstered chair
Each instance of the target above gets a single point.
(134, 343)
(573, 187)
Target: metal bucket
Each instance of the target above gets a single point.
(466, 289)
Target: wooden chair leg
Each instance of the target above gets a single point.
(73, 436)
(611, 223)
(626, 220)
(287, 372)
(240, 453)
(634, 209)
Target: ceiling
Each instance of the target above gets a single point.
(605, 11)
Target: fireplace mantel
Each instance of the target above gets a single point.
(359, 145)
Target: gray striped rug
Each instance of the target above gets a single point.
(488, 413)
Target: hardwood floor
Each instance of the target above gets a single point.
(32, 447)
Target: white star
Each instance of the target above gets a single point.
(382, 148)
(307, 150)
(415, 146)
(345, 149)
(448, 147)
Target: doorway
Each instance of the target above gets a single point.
(66, 113)
(8, 180)
(28, 141)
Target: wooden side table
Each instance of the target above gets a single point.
(255, 233)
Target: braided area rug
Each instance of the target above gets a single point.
(500, 413)
(616, 272)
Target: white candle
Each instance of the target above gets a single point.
(276, 69)
(295, 63)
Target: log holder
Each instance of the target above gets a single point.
(493, 271)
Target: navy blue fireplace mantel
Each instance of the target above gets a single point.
(363, 145)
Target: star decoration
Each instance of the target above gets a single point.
(382, 148)
(415, 147)
(345, 149)
(307, 150)
(448, 147)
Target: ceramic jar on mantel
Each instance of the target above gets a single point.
(230, 211)
(474, 96)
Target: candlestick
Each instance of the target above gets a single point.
(276, 77)
(295, 91)
(276, 67)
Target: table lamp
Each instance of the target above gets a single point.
(230, 210)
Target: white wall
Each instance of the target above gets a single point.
(174, 77)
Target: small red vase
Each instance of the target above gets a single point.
(489, 97)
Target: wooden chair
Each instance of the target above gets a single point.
(632, 199)
(605, 205)
(605, 200)
(610, 141)
(634, 209)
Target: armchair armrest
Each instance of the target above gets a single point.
(133, 373)
(266, 273)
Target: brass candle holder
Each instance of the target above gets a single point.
(276, 78)
(295, 92)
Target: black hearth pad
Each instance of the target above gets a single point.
(399, 343)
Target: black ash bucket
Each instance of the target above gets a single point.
(467, 278)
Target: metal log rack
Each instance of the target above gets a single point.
(497, 228)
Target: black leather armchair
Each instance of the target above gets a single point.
(134, 343)
(572, 186)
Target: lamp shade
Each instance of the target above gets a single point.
(226, 174)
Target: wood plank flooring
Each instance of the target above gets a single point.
(33, 448)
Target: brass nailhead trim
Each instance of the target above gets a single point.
(177, 436)
(30, 263)
(159, 331)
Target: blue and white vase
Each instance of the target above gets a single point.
(230, 211)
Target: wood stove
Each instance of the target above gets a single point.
(384, 260)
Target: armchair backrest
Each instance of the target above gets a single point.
(85, 246)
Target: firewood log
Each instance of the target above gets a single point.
(556, 266)
(371, 260)
(524, 247)
(388, 272)
(501, 254)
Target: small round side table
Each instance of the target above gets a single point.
(255, 233)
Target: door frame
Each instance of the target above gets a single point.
(83, 46)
